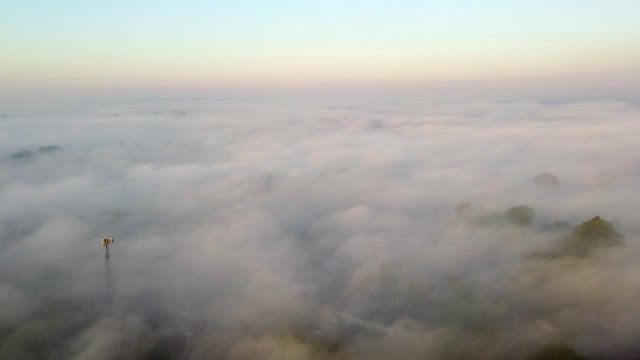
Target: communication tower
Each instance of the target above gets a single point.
(106, 241)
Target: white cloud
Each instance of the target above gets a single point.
(263, 212)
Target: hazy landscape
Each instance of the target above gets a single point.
(320, 228)
(320, 180)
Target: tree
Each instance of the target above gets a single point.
(520, 215)
(556, 352)
(595, 233)
(545, 179)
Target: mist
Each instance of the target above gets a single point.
(318, 228)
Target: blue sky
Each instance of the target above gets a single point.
(201, 44)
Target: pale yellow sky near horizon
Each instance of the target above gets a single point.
(213, 46)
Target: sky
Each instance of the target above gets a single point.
(204, 45)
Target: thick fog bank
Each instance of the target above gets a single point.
(354, 228)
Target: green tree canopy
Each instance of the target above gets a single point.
(591, 234)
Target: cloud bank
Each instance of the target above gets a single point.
(316, 228)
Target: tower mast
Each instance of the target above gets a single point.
(106, 241)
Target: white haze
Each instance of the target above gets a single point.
(258, 215)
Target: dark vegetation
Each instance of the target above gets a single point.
(520, 215)
(557, 352)
(590, 235)
(27, 155)
(546, 179)
(44, 334)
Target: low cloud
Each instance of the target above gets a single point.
(318, 228)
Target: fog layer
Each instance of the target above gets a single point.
(316, 228)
